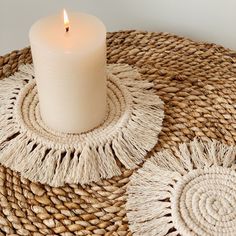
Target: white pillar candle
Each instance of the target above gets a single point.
(70, 70)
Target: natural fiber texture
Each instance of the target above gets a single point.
(42, 155)
(196, 81)
(190, 191)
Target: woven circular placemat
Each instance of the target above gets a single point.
(196, 81)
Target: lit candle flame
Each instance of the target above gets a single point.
(66, 20)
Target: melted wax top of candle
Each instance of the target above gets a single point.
(86, 31)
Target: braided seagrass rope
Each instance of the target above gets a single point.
(46, 156)
(191, 191)
(196, 81)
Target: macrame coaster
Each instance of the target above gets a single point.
(190, 191)
(130, 130)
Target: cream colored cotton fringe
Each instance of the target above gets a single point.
(189, 192)
(131, 129)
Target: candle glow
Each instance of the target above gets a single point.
(66, 20)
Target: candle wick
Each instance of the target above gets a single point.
(67, 29)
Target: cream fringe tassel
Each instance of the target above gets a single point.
(41, 155)
(191, 191)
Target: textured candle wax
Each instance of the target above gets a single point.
(70, 71)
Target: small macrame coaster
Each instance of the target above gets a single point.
(190, 191)
(130, 130)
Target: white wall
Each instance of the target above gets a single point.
(207, 20)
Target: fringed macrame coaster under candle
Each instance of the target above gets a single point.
(191, 191)
(130, 130)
